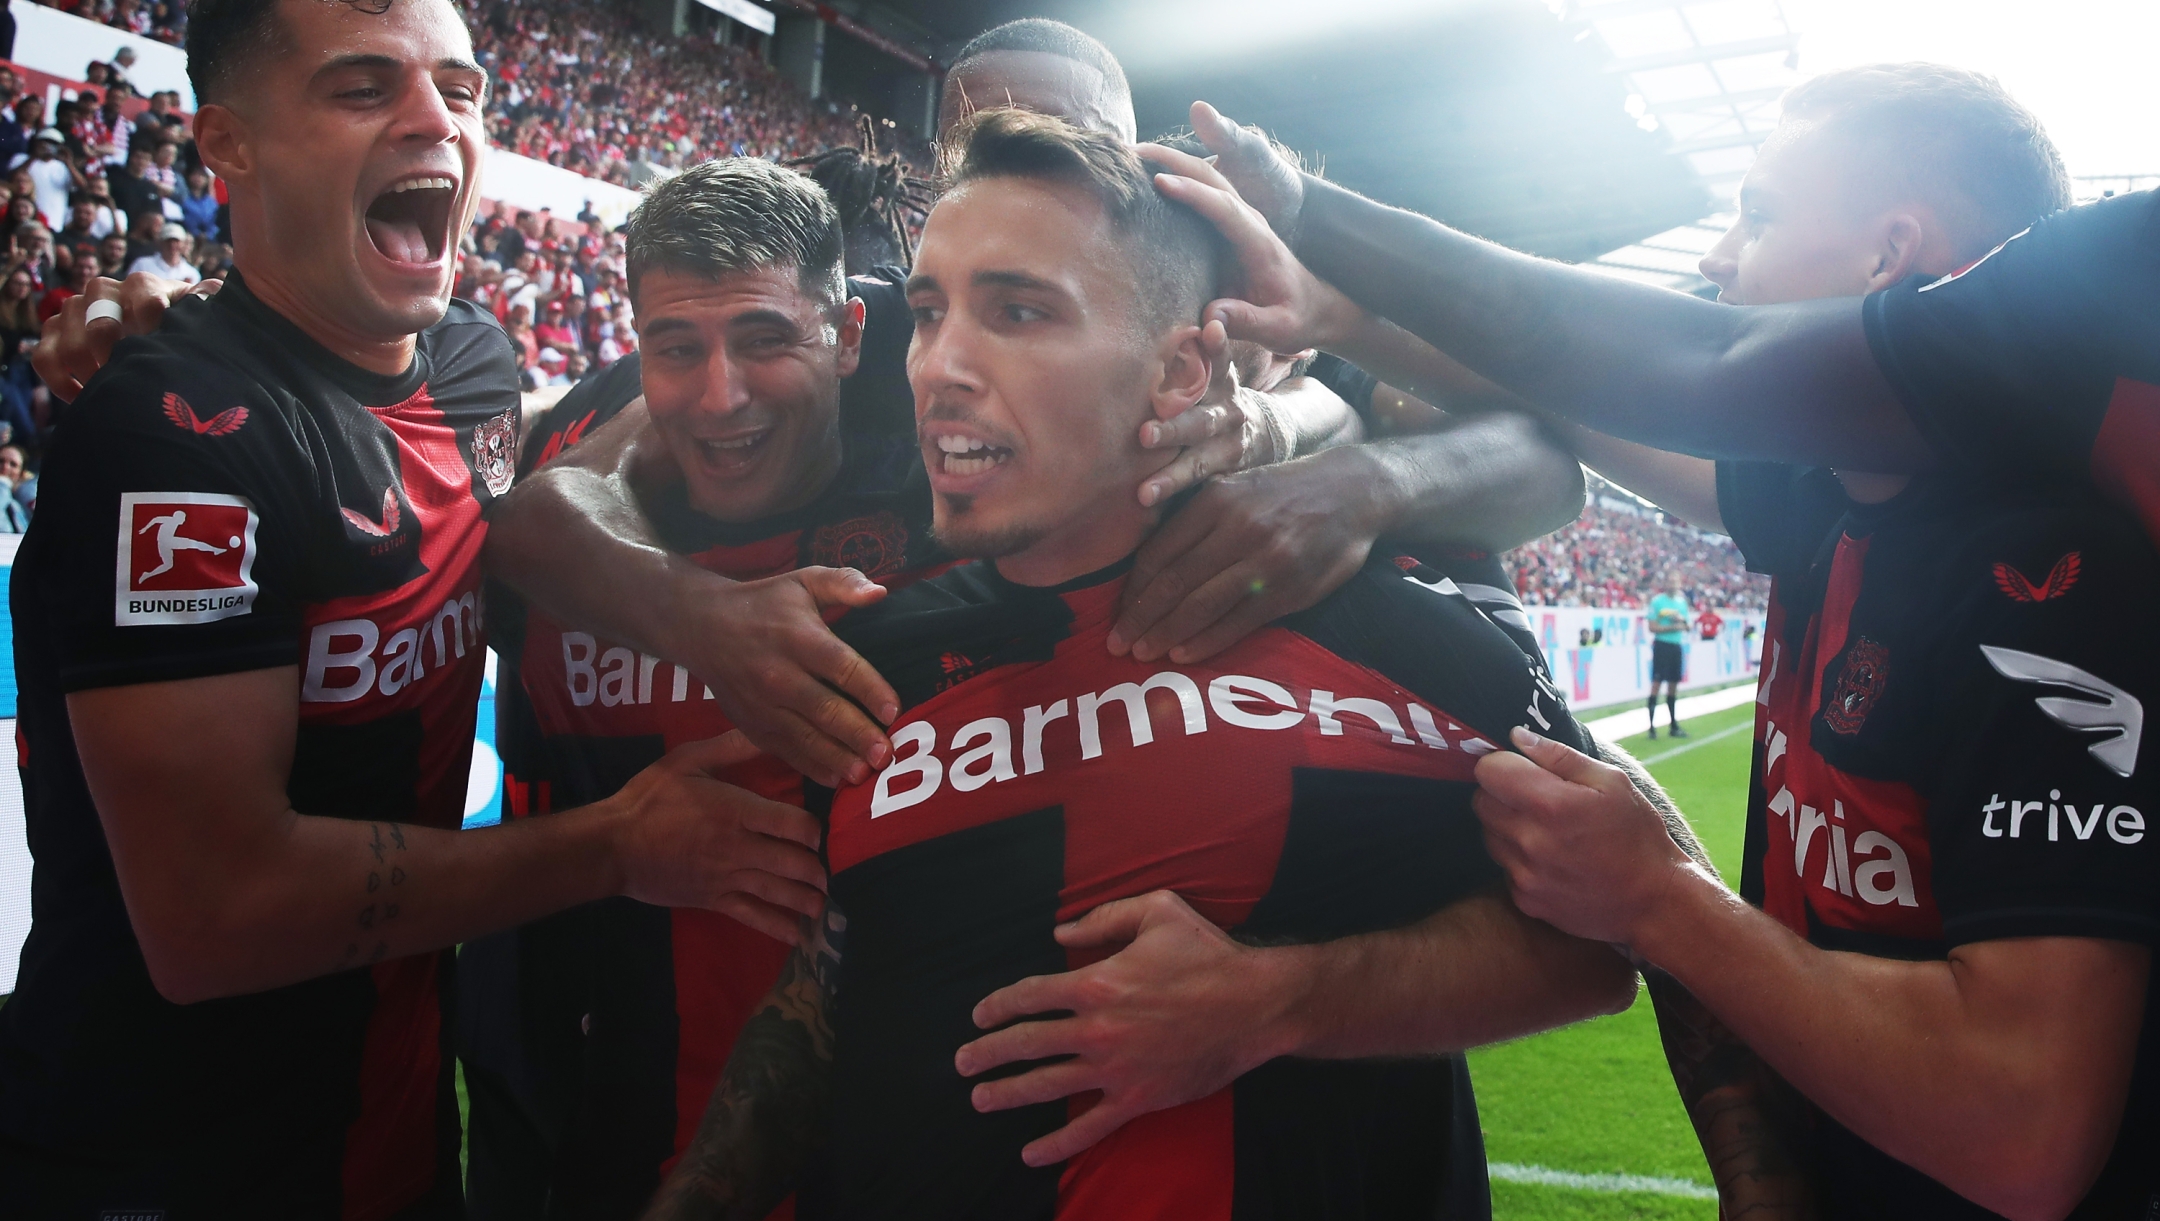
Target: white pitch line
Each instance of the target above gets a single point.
(1545, 1176)
(1635, 720)
(1685, 747)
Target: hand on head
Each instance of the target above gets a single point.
(1283, 306)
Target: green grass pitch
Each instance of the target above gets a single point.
(1596, 1098)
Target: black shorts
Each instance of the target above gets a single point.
(1665, 661)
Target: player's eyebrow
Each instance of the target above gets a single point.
(447, 64)
(1014, 279)
(762, 317)
(664, 325)
(919, 283)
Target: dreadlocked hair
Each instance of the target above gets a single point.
(874, 195)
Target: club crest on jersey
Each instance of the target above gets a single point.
(875, 544)
(223, 424)
(183, 557)
(494, 450)
(1859, 686)
(2019, 588)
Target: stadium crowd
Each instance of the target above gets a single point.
(581, 87)
(1620, 552)
(107, 184)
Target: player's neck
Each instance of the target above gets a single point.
(389, 357)
(1090, 542)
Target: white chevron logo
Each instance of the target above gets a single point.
(2106, 706)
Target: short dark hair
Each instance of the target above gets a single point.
(1051, 38)
(1177, 256)
(1956, 138)
(225, 38)
(738, 214)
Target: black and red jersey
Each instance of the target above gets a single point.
(225, 496)
(2041, 362)
(1949, 749)
(1311, 782)
(592, 1038)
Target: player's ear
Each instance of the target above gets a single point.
(1188, 366)
(221, 140)
(1897, 249)
(850, 315)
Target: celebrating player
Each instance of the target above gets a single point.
(1936, 658)
(1310, 782)
(592, 1038)
(250, 649)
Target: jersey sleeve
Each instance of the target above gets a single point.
(172, 527)
(2044, 815)
(2010, 367)
(1351, 384)
(1778, 515)
(590, 404)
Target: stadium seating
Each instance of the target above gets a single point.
(1621, 551)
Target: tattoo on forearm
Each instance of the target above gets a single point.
(1752, 1125)
(767, 1114)
(385, 895)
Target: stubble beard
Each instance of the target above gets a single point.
(964, 539)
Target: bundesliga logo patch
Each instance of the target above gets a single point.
(184, 557)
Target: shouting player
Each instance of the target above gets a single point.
(249, 640)
(592, 1038)
(1311, 782)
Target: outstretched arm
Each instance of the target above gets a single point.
(767, 1114)
(1793, 383)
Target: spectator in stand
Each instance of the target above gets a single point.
(14, 517)
(575, 366)
(164, 178)
(78, 278)
(518, 325)
(14, 141)
(216, 262)
(144, 231)
(553, 331)
(171, 260)
(134, 189)
(55, 178)
(34, 254)
(83, 224)
(123, 62)
(199, 206)
(113, 255)
(25, 121)
(19, 328)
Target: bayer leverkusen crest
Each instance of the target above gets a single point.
(183, 557)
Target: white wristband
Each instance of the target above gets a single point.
(102, 309)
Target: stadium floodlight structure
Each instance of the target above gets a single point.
(1709, 74)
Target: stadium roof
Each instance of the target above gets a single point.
(1493, 115)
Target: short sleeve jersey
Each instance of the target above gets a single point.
(228, 496)
(2041, 362)
(1310, 782)
(1949, 749)
(592, 1038)
(1668, 618)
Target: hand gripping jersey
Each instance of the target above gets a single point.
(1949, 749)
(228, 496)
(592, 1038)
(2041, 362)
(1311, 782)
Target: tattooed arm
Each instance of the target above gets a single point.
(767, 1114)
(232, 890)
(1750, 1122)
